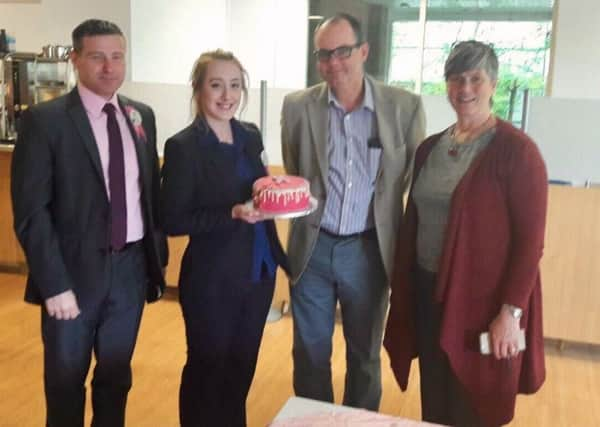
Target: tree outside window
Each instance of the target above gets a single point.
(521, 43)
(519, 30)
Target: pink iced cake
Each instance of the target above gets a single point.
(281, 194)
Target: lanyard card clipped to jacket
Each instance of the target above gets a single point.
(485, 344)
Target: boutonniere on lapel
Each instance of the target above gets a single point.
(136, 120)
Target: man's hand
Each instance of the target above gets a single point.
(63, 306)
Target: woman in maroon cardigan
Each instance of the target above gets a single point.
(468, 258)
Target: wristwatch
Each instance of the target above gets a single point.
(514, 311)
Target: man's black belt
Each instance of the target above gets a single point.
(126, 247)
(366, 233)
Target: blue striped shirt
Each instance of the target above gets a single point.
(353, 167)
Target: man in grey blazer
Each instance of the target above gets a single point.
(354, 139)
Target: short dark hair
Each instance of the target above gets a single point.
(93, 27)
(472, 55)
(354, 23)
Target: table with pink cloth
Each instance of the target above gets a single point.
(301, 412)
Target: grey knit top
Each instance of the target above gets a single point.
(433, 189)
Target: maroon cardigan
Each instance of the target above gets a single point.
(492, 248)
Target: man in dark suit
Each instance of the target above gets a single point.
(85, 183)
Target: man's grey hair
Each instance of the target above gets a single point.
(472, 55)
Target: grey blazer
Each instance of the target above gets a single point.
(400, 123)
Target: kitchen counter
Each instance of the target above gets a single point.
(570, 267)
(12, 258)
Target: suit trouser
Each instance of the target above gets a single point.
(443, 398)
(224, 323)
(109, 328)
(348, 270)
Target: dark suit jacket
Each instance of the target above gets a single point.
(61, 206)
(200, 186)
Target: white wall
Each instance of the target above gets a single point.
(576, 65)
(438, 113)
(165, 40)
(51, 21)
(170, 102)
(268, 36)
(567, 132)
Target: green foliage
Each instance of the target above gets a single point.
(434, 88)
(522, 64)
(512, 79)
(515, 82)
(408, 85)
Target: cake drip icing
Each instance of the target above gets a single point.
(281, 194)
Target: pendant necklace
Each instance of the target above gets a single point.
(470, 136)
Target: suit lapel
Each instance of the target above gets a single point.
(125, 105)
(384, 120)
(79, 116)
(139, 143)
(318, 116)
(140, 151)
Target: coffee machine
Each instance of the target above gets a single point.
(29, 78)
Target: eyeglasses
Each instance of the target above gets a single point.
(340, 52)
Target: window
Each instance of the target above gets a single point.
(519, 30)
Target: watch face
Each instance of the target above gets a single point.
(515, 312)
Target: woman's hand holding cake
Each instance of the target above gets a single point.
(246, 212)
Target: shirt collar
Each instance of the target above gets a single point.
(367, 101)
(94, 103)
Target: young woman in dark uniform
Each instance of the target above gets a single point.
(228, 269)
